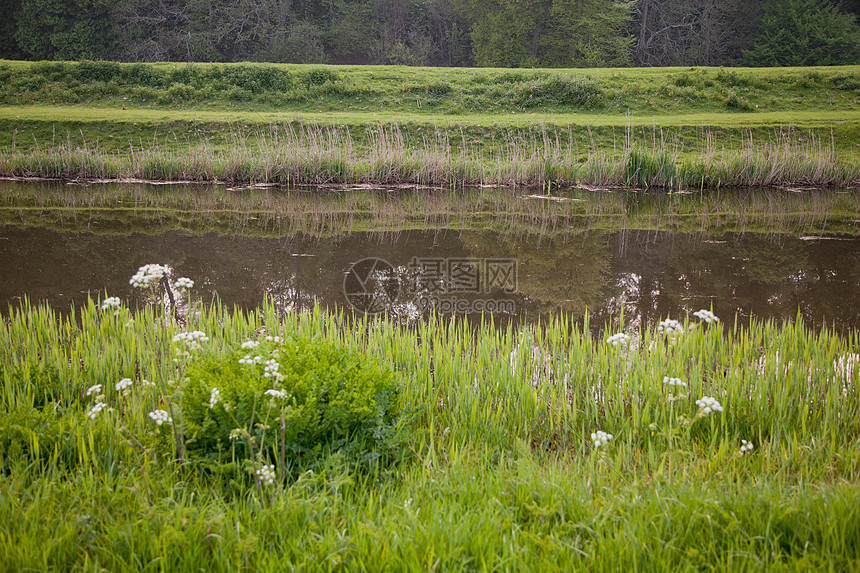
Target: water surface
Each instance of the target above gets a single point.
(61, 246)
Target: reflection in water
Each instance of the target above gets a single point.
(648, 275)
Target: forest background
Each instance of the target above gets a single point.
(485, 33)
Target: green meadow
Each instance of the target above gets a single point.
(442, 445)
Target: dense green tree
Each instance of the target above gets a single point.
(590, 33)
(351, 34)
(65, 29)
(302, 45)
(8, 27)
(509, 33)
(568, 33)
(804, 33)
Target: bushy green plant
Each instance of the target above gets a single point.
(145, 75)
(87, 71)
(580, 92)
(304, 396)
(257, 79)
(738, 102)
(319, 76)
(848, 82)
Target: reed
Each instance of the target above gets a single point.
(317, 154)
(503, 471)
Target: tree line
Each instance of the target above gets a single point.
(493, 33)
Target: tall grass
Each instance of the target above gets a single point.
(313, 154)
(503, 473)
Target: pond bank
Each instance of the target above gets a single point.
(320, 155)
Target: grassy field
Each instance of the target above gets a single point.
(498, 466)
(485, 115)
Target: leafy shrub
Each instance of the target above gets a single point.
(580, 92)
(191, 75)
(846, 82)
(684, 81)
(737, 102)
(731, 78)
(182, 92)
(319, 76)
(87, 71)
(336, 401)
(257, 79)
(144, 75)
(51, 70)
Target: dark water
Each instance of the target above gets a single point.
(648, 274)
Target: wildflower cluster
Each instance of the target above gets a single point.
(160, 417)
(267, 474)
(191, 339)
(250, 345)
(709, 404)
(94, 390)
(214, 397)
(600, 438)
(619, 339)
(274, 338)
(674, 382)
(279, 394)
(746, 447)
(670, 327)
(184, 283)
(706, 315)
(111, 302)
(249, 360)
(148, 276)
(123, 385)
(271, 369)
(94, 411)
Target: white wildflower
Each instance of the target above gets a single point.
(709, 404)
(706, 315)
(601, 438)
(674, 382)
(184, 283)
(147, 383)
(214, 397)
(267, 474)
(249, 360)
(94, 411)
(191, 339)
(250, 345)
(123, 385)
(237, 434)
(746, 446)
(160, 417)
(97, 389)
(271, 368)
(619, 339)
(670, 327)
(148, 276)
(274, 338)
(279, 394)
(111, 302)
